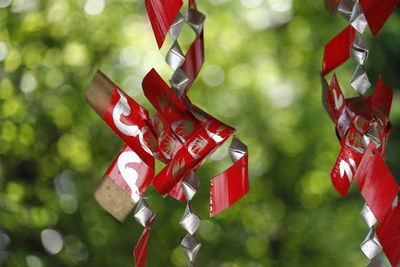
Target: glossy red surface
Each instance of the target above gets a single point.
(194, 60)
(376, 183)
(140, 251)
(229, 186)
(377, 12)
(344, 169)
(388, 232)
(162, 14)
(137, 117)
(337, 51)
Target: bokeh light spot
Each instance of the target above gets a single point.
(213, 75)
(33, 261)
(3, 50)
(52, 241)
(94, 7)
(28, 83)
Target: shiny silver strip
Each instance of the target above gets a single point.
(360, 81)
(190, 221)
(371, 246)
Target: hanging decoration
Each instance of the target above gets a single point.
(363, 127)
(180, 134)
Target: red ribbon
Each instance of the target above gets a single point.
(360, 120)
(179, 134)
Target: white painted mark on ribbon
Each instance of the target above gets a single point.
(129, 174)
(338, 99)
(122, 108)
(344, 167)
(214, 136)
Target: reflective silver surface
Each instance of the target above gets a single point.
(359, 50)
(190, 246)
(376, 262)
(176, 27)
(357, 18)
(196, 20)
(179, 81)
(371, 246)
(345, 8)
(237, 149)
(360, 81)
(190, 185)
(367, 216)
(143, 214)
(175, 57)
(190, 221)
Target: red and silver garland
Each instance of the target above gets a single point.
(363, 127)
(180, 134)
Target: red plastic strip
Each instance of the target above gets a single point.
(382, 98)
(195, 151)
(335, 99)
(140, 251)
(376, 183)
(162, 14)
(377, 12)
(132, 127)
(169, 145)
(388, 233)
(345, 167)
(170, 107)
(194, 60)
(229, 186)
(337, 51)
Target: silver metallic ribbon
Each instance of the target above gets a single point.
(190, 221)
(179, 81)
(352, 12)
(175, 57)
(144, 216)
(359, 49)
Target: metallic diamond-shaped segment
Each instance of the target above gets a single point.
(190, 246)
(175, 57)
(179, 81)
(237, 149)
(196, 20)
(371, 246)
(345, 8)
(190, 221)
(373, 135)
(376, 262)
(176, 27)
(359, 50)
(360, 81)
(357, 18)
(367, 216)
(143, 214)
(190, 185)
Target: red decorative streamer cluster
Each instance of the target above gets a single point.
(180, 134)
(363, 127)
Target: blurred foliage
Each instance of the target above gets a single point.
(261, 76)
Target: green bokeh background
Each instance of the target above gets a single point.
(260, 76)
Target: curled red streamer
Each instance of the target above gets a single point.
(363, 128)
(180, 134)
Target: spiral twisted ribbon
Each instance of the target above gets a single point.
(180, 134)
(363, 127)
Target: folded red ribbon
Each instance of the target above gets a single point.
(179, 134)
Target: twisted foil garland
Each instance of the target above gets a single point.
(179, 134)
(363, 127)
